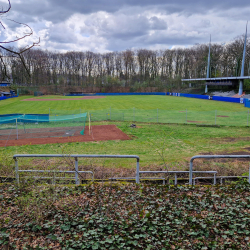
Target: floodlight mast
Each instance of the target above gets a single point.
(208, 63)
(243, 64)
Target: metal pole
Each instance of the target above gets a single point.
(16, 170)
(137, 177)
(16, 130)
(175, 179)
(157, 115)
(76, 171)
(191, 172)
(215, 116)
(54, 178)
(247, 116)
(249, 175)
(186, 115)
(214, 179)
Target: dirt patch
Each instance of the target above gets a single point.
(64, 99)
(222, 116)
(232, 139)
(98, 133)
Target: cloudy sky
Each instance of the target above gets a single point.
(115, 25)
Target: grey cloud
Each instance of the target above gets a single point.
(127, 24)
(61, 34)
(157, 23)
(126, 28)
(56, 10)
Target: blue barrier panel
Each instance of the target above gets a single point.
(7, 97)
(12, 96)
(206, 97)
(115, 94)
(227, 99)
(143, 93)
(247, 103)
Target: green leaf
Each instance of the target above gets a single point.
(52, 237)
(65, 227)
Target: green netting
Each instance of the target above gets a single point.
(38, 93)
(41, 126)
(173, 116)
(56, 112)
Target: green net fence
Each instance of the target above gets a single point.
(24, 126)
(62, 123)
(172, 116)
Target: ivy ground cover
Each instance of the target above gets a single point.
(125, 216)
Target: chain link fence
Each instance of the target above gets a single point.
(215, 117)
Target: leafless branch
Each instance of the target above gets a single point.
(25, 35)
(18, 54)
(3, 12)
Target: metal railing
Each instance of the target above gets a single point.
(55, 172)
(221, 178)
(179, 172)
(212, 157)
(138, 172)
(133, 178)
(76, 156)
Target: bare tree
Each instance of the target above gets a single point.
(4, 45)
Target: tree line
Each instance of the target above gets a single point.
(130, 69)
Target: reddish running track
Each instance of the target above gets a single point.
(98, 133)
(64, 99)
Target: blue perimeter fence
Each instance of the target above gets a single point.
(244, 101)
(114, 94)
(5, 97)
(205, 97)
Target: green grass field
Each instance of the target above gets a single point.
(175, 143)
(16, 105)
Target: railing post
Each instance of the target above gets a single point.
(191, 172)
(137, 177)
(16, 170)
(214, 179)
(247, 116)
(76, 171)
(249, 176)
(54, 178)
(175, 179)
(16, 130)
